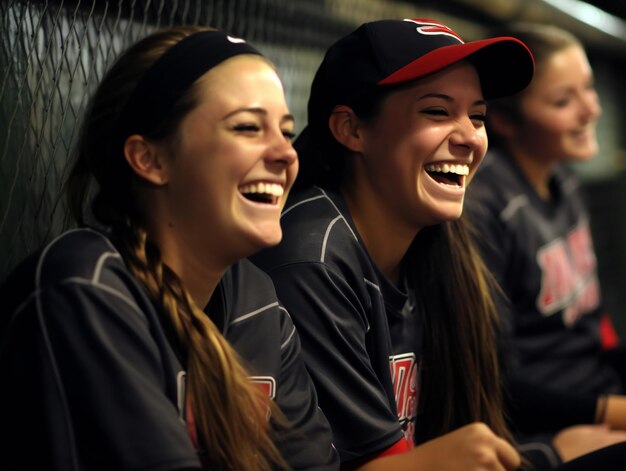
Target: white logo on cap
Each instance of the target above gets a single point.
(235, 40)
(431, 29)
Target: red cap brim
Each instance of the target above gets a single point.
(505, 65)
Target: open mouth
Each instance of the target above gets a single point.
(264, 193)
(448, 174)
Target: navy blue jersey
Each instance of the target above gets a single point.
(360, 333)
(262, 332)
(542, 255)
(92, 381)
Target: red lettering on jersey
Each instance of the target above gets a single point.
(557, 276)
(569, 281)
(404, 374)
(582, 250)
(266, 383)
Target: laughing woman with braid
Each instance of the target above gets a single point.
(150, 342)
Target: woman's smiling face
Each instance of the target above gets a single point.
(422, 149)
(560, 109)
(233, 162)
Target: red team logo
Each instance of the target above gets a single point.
(404, 374)
(185, 408)
(569, 279)
(266, 383)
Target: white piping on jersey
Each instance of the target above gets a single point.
(299, 203)
(59, 383)
(53, 363)
(513, 206)
(543, 448)
(326, 235)
(338, 212)
(284, 309)
(377, 288)
(371, 283)
(291, 334)
(254, 313)
(108, 289)
(100, 263)
(284, 344)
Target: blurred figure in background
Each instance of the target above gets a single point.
(533, 231)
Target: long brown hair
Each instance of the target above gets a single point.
(461, 377)
(229, 410)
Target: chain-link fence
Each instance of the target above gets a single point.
(53, 54)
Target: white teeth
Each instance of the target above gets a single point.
(459, 169)
(273, 189)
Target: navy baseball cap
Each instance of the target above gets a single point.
(389, 52)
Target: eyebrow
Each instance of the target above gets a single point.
(261, 111)
(448, 98)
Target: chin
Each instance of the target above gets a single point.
(265, 240)
(440, 217)
(582, 156)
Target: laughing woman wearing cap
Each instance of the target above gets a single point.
(108, 360)
(376, 268)
(389, 296)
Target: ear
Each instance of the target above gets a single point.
(146, 159)
(345, 127)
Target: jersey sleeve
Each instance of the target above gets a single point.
(333, 326)
(88, 376)
(307, 443)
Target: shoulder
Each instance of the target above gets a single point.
(244, 292)
(317, 228)
(77, 261)
(495, 175)
(496, 188)
(80, 254)
(245, 277)
(567, 179)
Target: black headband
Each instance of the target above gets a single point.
(172, 74)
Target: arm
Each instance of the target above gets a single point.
(472, 448)
(353, 389)
(84, 360)
(307, 444)
(532, 406)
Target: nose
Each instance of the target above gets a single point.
(280, 149)
(589, 104)
(467, 136)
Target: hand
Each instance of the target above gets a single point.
(578, 440)
(615, 412)
(473, 447)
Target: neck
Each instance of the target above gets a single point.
(198, 275)
(536, 171)
(386, 241)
